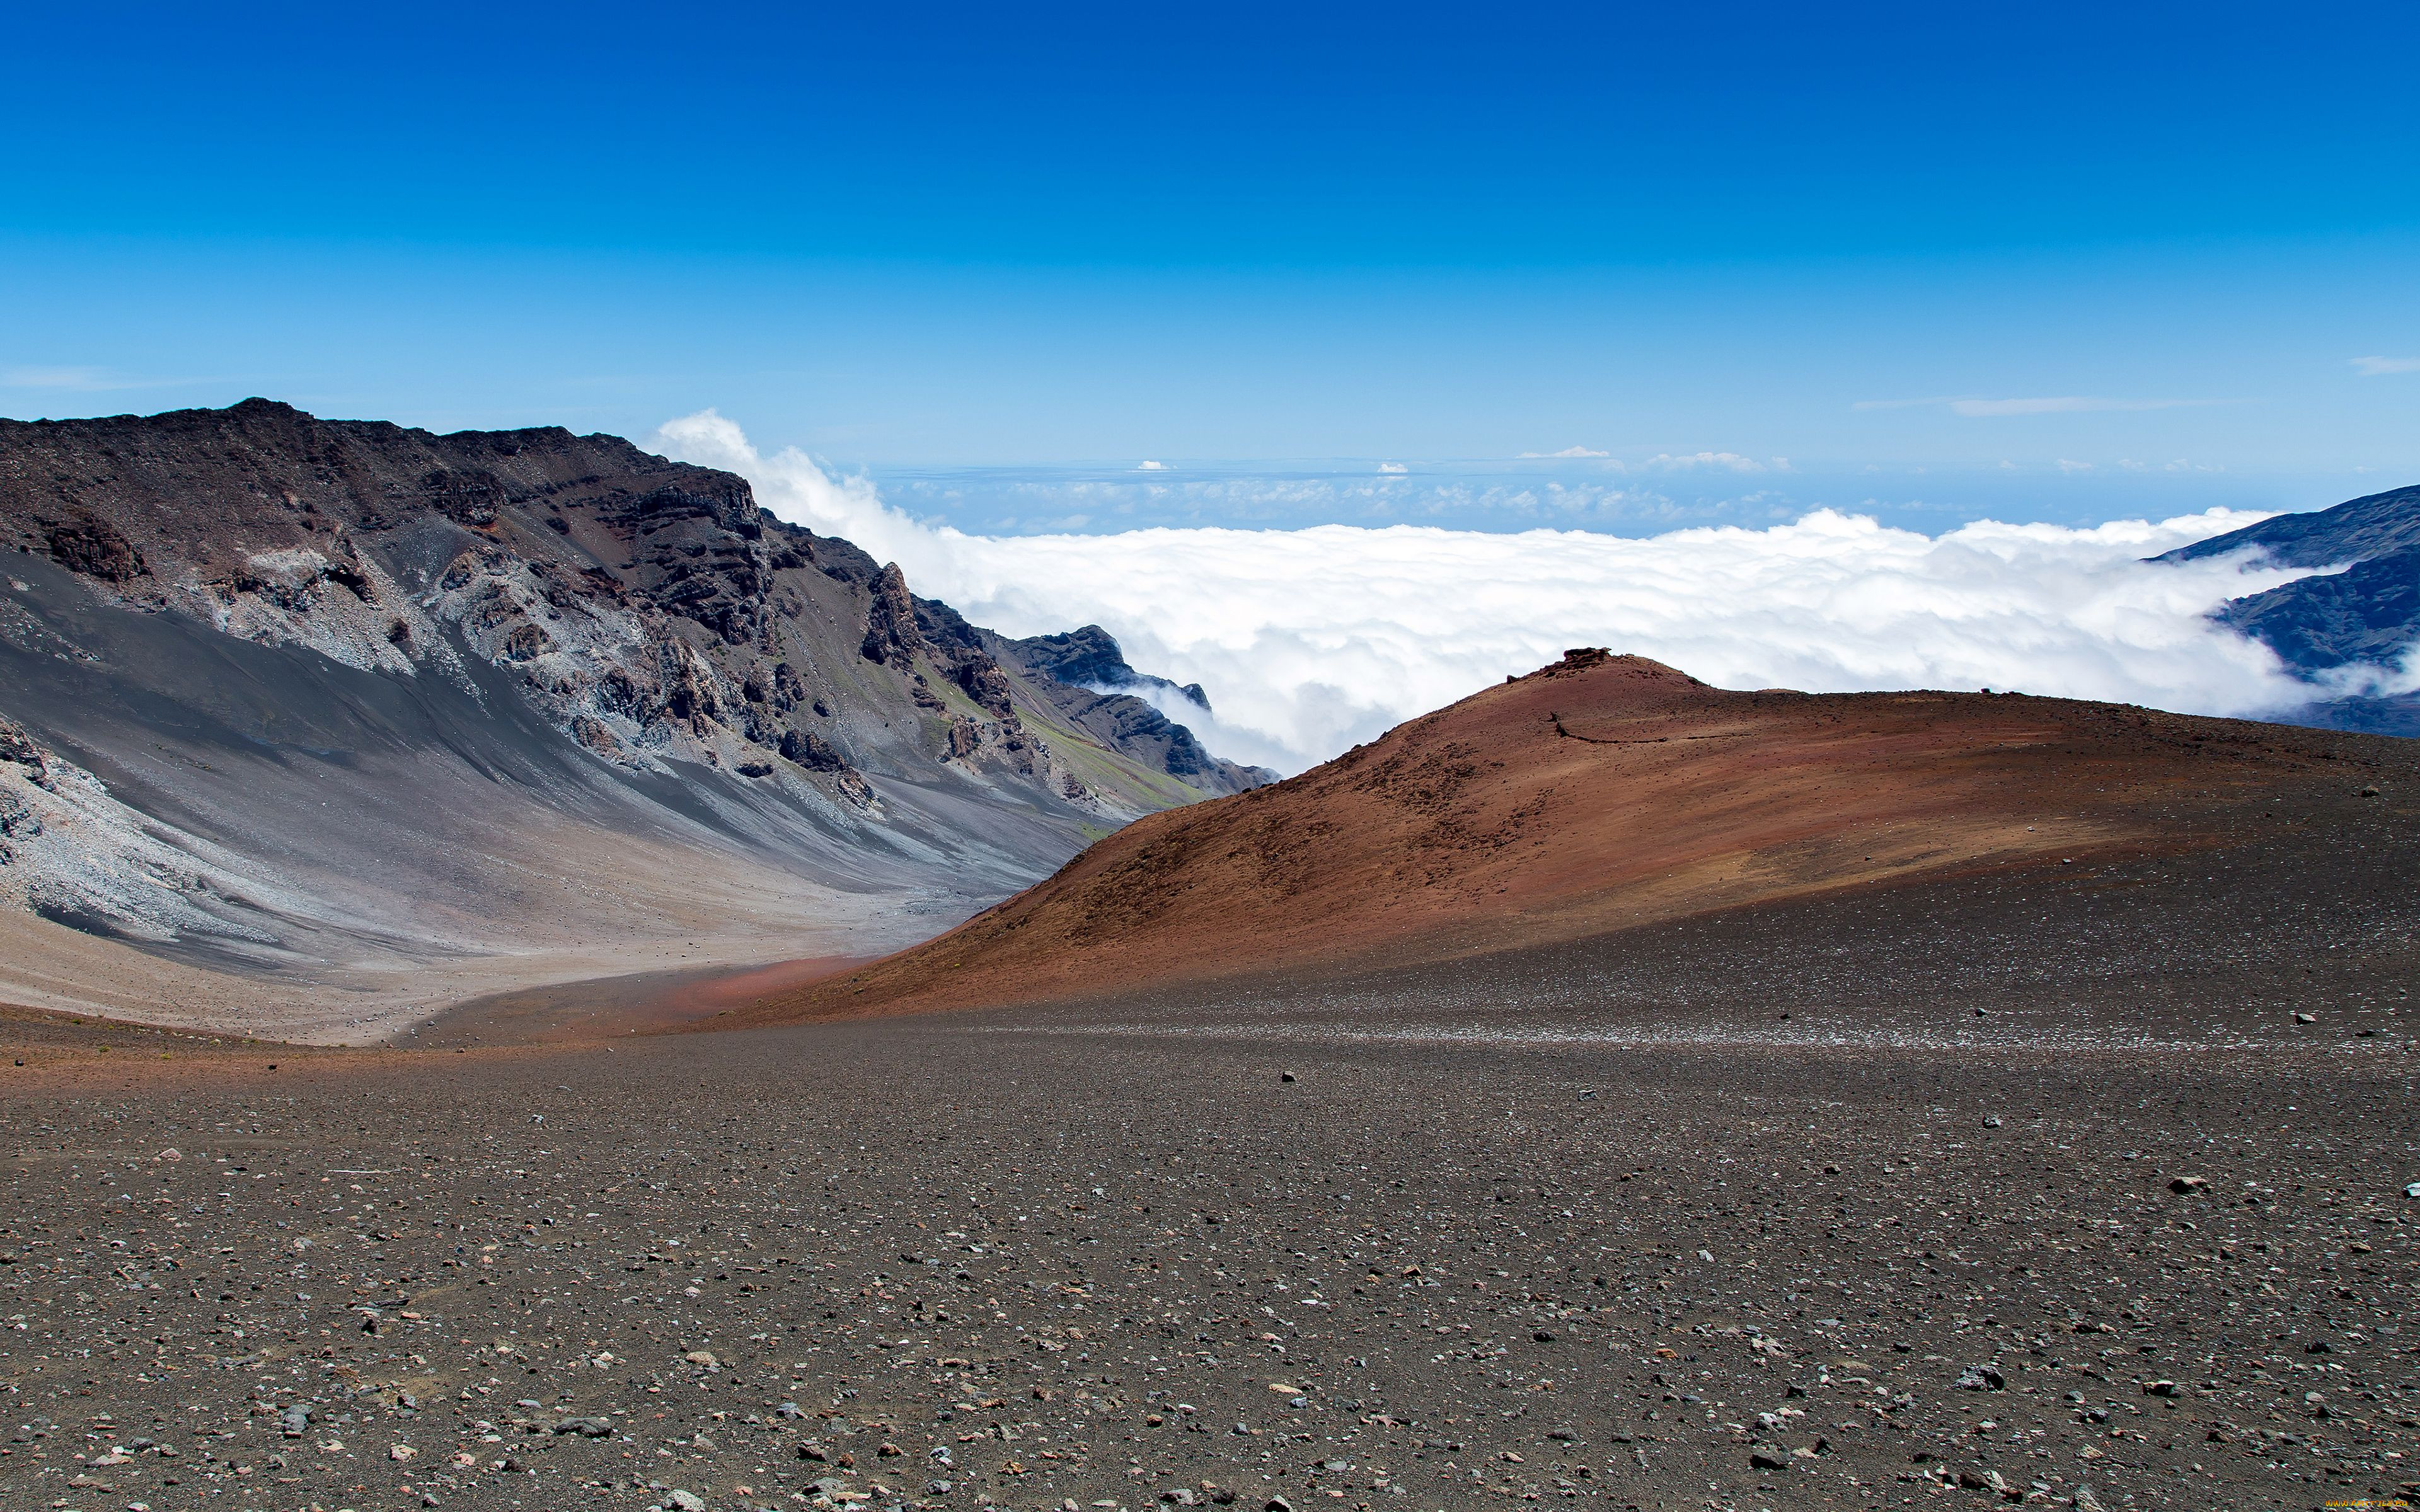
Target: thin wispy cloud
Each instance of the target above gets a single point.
(1311, 640)
(2380, 366)
(1665, 461)
(2064, 403)
(1724, 462)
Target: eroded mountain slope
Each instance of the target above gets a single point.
(312, 697)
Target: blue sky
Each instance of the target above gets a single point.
(2062, 263)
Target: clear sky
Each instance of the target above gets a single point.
(2051, 261)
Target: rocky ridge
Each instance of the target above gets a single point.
(649, 608)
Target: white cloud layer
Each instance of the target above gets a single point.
(2380, 366)
(1309, 640)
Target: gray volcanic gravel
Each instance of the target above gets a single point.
(944, 1267)
(1381, 1243)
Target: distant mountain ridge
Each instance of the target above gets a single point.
(1089, 681)
(2369, 526)
(505, 642)
(2366, 614)
(1090, 657)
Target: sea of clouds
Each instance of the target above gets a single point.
(1311, 640)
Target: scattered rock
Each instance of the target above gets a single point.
(1995, 1482)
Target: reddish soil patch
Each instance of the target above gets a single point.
(1599, 794)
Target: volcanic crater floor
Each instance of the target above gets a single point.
(1598, 1225)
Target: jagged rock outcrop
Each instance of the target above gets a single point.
(811, 750)
(17, 746)
(21, 762)
(965, 657)
(891, 636)
(95, 548)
